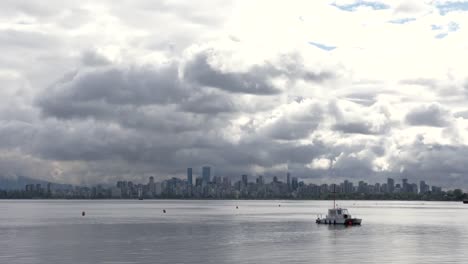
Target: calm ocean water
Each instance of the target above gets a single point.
(216, 232)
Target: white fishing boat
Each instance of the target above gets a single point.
(338, 216)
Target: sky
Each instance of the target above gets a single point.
(99, 91)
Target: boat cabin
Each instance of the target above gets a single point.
(338, 213)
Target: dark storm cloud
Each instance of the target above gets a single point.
(26, 39)
(206, 103)
(291, 130)
(353, 167)
(93, 141)
(436, 163)
(462, 114)
(428, 115)
(355, 128)
(292, 66)
(365, 125)
(295, 126)
(257, 80)
(91, 58)
(15, 133)
(167, 119)
(92, 93)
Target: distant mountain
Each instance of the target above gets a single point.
(19, 182)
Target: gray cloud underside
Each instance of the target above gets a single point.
(431, 115)
(162, 121)
(111, 116)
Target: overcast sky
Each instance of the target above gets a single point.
(96, 91)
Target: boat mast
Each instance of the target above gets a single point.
(334, 195)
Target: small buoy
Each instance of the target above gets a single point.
(279, 205)
(164, 210)
(83, 213)
(237, 207)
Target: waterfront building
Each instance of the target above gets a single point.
(294, 183)
(206, 174)
(189, 176)
(405, 186)
(423, 187)
(390, 185)
(244, 180)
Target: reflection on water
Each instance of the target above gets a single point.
(217, 232)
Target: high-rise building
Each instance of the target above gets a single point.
(423, 187)
(377, 187)
(362, 187)
(189, 176)
(151, 185)
(436, 189)
(198, 181)
(245, 180)
(260, 180)
(226, 182)
(206, 174)
(294, 183)
(390, 185)
(288, 179)
(217, 180)
(348, 187)
(405, 186)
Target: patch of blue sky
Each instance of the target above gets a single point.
(322, 46)
(402, 20)
(361, 3)
(452, 27)
(441, 35)
(452, 6)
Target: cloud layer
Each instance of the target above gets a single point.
(363, 90)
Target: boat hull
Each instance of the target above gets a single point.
(350, 221)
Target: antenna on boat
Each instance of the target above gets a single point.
(334, 195)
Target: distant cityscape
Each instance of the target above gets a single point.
(207, 186)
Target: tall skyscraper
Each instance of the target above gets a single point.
(189, 176)
(206, 174)
(423, 187)
(288, 179)
(390, 185)
(294, 183)
(260, 180)
(151, 185)
(245, 180)
(405, 186)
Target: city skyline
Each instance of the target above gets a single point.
(208, 186)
